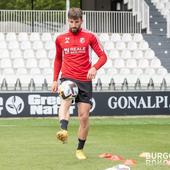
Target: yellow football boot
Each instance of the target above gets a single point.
(80, 154)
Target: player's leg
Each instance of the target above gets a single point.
(83, 115)
(64, 116)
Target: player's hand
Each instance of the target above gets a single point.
(91, 73)
(54, 87)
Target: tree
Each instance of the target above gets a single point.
(38, 4)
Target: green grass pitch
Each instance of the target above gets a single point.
(30, 144)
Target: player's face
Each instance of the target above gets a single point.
(75, 24)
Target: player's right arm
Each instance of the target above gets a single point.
(57, 66)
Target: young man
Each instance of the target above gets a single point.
(73, 60)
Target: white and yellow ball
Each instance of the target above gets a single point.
(68, 89)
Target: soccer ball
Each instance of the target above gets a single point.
(68, 89)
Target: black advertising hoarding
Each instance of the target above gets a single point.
(104, 104)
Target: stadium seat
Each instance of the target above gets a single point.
(103, 37)
(29, 53)
(16, 53)
(5, 63)
(120, 45)
(157, 80)
(115, 37)
(143, 63)
(131, 45)
(11, 36)
(35, 71)
(44, 63)
(144, 79)
(11, 79)
(137, 54)
(25, 80)
(162, 71)
(137, 37)
(3, 44)
(38, 79)
(131, 79)
(22, 36)
(37, 45)
(55, 36)
(149, 71)
(31, 63)
(155, 63)
(101, 72)
(34, 36)
(49, 45)
(18, 63)
(108, 45)
(113, 54)
(2, 36)
(46, 37)
(21, 71)
(124, 71)
(149, 54)
(167, 78)
(41, 53)
(9, 71)
(51, 54)
(126, 37)
(125, 54)
(47, 71)
(4, 53)
(13, 45)
(118, 63)
(111, 72)
(137, 71)
(143, 45)
(108, 64)
(131, 63)
(49, 79)
(118, 79)
(25, 45)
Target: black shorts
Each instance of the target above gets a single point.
(85, 90)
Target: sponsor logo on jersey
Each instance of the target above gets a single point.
(75, 50)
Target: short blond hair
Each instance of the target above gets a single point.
(75, 13)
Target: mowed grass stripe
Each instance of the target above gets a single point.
(30, 144)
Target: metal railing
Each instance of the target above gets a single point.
(32, 21)
(111, 22)
(55, 21)
(168, 25)
(141, 10)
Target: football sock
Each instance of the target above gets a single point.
(81, 144)
(63, 124)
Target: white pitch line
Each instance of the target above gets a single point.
(7, 125)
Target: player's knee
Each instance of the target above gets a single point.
(83, 116)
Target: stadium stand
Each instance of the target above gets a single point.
(132, 57)
(129, 57)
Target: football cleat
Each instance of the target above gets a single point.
(62, 135)
(80, 154)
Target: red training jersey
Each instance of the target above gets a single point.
(72, 55)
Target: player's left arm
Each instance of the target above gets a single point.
(97, 47)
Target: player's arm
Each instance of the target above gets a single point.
(57, 66)
(96, 46)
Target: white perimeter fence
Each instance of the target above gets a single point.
(55, 21)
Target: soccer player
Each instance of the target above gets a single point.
(73, 60)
